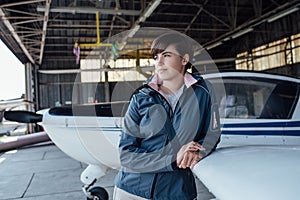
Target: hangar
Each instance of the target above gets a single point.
(71, 45)
(252, 35)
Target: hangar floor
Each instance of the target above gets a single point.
(44, 172)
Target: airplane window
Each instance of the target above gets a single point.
(252, 98)
(280, 104)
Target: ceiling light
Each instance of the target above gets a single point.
(152, 8)
(133, 31)
(213, 45)
(149, 10)
(238, 34)
(282, 14)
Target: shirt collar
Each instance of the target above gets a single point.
(155, 82)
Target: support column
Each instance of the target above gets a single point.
(106, 87)
(29, 86)
(288, 52)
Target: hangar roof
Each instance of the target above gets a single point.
(39, 30)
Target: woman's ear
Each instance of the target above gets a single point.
(185, 59)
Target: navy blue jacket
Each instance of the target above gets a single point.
(153, 134)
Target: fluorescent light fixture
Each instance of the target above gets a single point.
(213, 45)
(90, 10)
(149, 10)
(226, 39)
(238, 34)
(133, 31)
(282, 14)
(152, 7)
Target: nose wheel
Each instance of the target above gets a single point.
(89, 177)
(97, 193)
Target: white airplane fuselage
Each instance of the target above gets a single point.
(96, 137)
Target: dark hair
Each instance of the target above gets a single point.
(181, 42)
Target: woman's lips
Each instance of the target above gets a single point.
(161, 70)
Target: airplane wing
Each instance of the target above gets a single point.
(252, 172)
(9, 104)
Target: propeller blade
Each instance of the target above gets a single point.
(23, 116)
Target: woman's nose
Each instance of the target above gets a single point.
(159, 59)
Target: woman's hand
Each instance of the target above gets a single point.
(188, 155)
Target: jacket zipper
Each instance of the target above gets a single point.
(166, 100)
(171, 121)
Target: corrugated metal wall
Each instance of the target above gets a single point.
(61, 89)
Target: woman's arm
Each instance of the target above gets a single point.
(133, 156)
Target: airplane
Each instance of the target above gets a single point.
(257, 158)
(10, 104)
(6, 128)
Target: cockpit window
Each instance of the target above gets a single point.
(253, 98)
(281, 102)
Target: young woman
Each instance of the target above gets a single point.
(171, 123)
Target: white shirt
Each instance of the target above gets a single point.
(173, 98)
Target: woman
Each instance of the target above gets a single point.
(171, 124)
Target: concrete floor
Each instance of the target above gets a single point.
(44, 172)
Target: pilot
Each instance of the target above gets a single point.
(172, 122)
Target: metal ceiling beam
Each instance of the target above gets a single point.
(216, 18)
(44, 30)
(175, 14)
(26, 32)
(27, 21)
(250, 25)
(31, 39)
(15, 35)
(30, 35)
(146, 13)
(22, 12)
(60, 45)
(180, 4)
(90, 10)
(257, 7)
(20, 17)
(84, 26)
(77, 21)
(22, 28)
(232, 7)
(72, 71)
(20, 3)
(195, 17)
(117, 7)
(123, 20)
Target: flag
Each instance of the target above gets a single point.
(76, 51)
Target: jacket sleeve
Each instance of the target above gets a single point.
(135, 158)
(211, 128)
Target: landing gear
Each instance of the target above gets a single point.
(89, 177)
(97, 193)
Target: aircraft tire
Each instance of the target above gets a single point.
(98, 193)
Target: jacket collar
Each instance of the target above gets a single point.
(189, 79)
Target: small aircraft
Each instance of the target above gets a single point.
(257, 158)
(9, 104)
(5, 105)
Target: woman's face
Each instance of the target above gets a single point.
(169, 64)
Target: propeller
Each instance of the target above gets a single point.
(22, 116)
